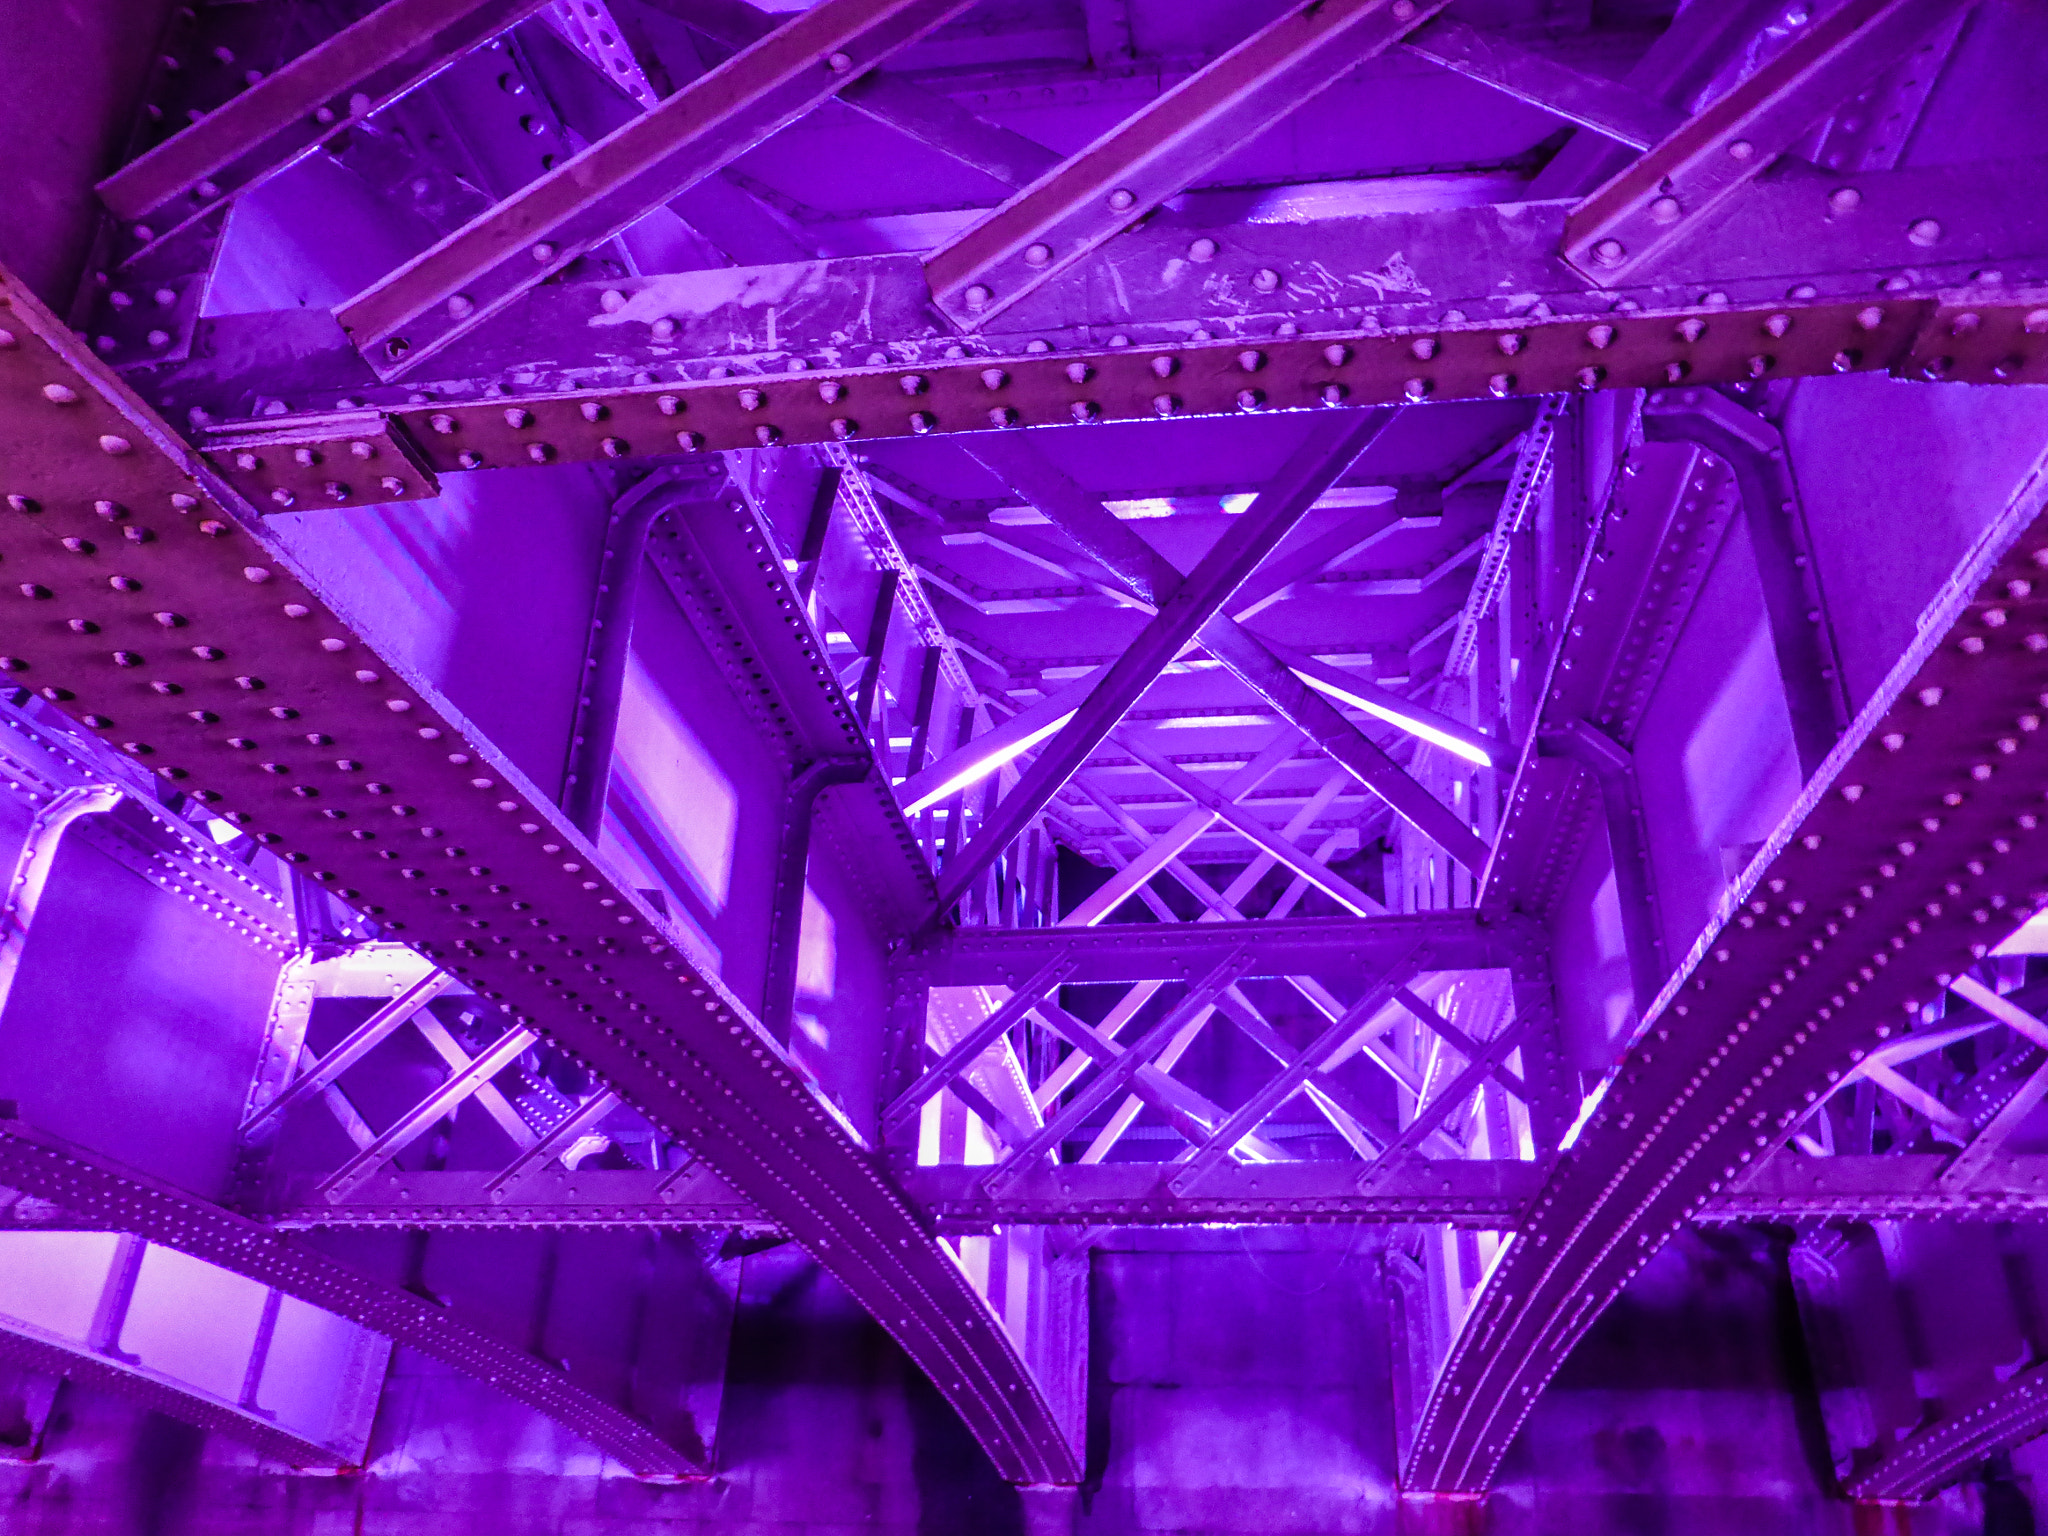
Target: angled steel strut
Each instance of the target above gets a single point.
(208, 634)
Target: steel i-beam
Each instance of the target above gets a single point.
(1908, 855)
(201, 632)
(1120, 179)
(450, 289)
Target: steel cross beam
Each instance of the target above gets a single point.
(1326, 451)
(230, 639)
(450, 289)
(1637, 218)
(591, 410)
(106, 1196)
(1120, 179)
(1493, 1194)
(284, 117)
(1614, 110)
(1152, 579)
(1899, 865)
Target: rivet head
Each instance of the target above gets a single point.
(60, 394)
(1665, 210)
(1037, 254)
(1202, 249)
(1609, 253)
(1924, 231)
(1266, 280)
(1845, 200)
(1123, 198)
(978, 295)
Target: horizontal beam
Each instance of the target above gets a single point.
(459, 283)
(1786, 1186)
(255, 638)
(286, 115)
(1308, 946)
(1909, 336)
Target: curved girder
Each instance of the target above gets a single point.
(1926, 1461)
(1913, 848)
(100, 1193)
(165, 1398)
(231, 643)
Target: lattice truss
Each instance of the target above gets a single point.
(1214, 773)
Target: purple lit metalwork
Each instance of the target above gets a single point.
(943, 766)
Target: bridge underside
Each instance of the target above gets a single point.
(1068, 765)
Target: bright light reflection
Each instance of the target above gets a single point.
(1408, 723)
(974, 772)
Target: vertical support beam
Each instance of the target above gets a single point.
(593, 728)
(792, 872)
(1326, 451)
(1801, 634)
(1642, 932)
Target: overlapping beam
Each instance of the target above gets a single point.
(1642, 214)
(286, 115)
(103, 1195)
(1905, 858)
(1152, 579)
(452, 288)
(226, 640)
(1325, 452)
(1117, 181)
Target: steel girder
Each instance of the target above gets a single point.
(1899, 864)
(717, 562)
(110, 1332)
(451, 289)
(670, 1039)
(102, 1195)
(1489, 1194)
(1123, 177)
(842, 348)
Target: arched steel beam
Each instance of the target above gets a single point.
(163, 1397)
(99, 1193)
(2007, 1415)
(1912, 850)
(535, 924)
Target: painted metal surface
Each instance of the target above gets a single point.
(746, 1109)
(1704, 1090)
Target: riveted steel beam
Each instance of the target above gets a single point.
(286, 115)
(1325, 453)
(450, 289)
(230, 639)
(1302, 946)
(1997, 338)
(1646, 211)
(2001, 1416)
(1169, 144)
(718, 563)
(103, 1195)
(1493, 1193)
(1903, 860)
(1610, 108)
